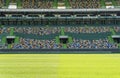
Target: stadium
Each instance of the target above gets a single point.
(42, 35)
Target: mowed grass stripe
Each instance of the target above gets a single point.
(28, 66)
(89, 66)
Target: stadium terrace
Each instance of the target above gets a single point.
(60, 25)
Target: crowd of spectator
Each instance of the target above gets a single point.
(13, 1)
(47, 4)
(99, 29)
(91, 44)
(51, 44)
(117, 29)
(42, 4)
(118, 2)
(76, 44)
(84, 3)
(1, 3)
(37, 30)
(4, 30)
(36, 44)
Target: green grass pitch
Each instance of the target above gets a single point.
(60, 66)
